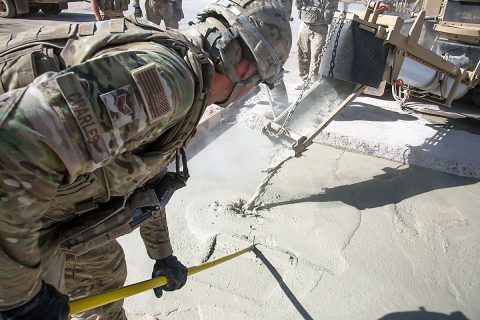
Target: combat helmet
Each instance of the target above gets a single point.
(227, 26)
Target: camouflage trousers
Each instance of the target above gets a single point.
(111, 9)
(278, 94)
(158, 10)
(96, 271)
(310, 43)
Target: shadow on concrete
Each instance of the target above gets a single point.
(368, 112)
(422, 314)
(305, 315)
(64, 16)
(391, 187)
(464, 124)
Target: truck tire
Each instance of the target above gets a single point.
(7, 9)
(50, 9)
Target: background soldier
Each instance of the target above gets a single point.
(108, 9)
(278, 93)
(84, 147)
(170, 11)
(315, 15)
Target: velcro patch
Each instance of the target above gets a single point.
(121, 105)
(152, 87)
(84, 115)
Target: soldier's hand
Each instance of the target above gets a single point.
(48, 304)
(175, 272)
(137, 11)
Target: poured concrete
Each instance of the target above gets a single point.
(342, 236)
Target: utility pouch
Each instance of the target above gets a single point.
(101, 226)
(172, 181)
(98, 227)
(20, 68)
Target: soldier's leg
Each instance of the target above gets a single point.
(171, 22)
(52, 260)
(317, 43)
(169, 17)
(303, 48)
(97, 271)
(107, 9)
(155, 10)
(279, 94)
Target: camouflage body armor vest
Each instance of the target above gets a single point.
(313, 12)
(99, 195)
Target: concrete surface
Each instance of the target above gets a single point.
(342, 235)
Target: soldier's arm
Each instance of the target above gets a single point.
(179, 82)
(156, 238)
(59, 129)
(96, 9)
(29, 175)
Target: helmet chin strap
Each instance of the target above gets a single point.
(238, 87)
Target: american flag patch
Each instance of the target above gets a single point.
(151, 86)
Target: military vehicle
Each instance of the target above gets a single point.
(372, 48)
(451, 30)
(15, 8)
(457, 34)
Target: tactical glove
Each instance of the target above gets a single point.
(48, 304)
(137, 11)
(175, 272)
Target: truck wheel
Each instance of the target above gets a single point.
(51, 9)
(7, 9)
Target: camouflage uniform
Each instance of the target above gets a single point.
(287, 7)
(167, 10)
(315, 15)
(279, 93)
(79, 141)
(111, 9)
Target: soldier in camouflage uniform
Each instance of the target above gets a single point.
(170, 11)
(315, 15)
(108, 9)
(92, 115)
(278, 93)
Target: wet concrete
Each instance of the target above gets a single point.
(341, 235)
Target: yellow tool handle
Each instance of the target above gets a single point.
(87, 303)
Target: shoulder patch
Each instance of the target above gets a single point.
(152, 87)
(84, 115)
(122, 106)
